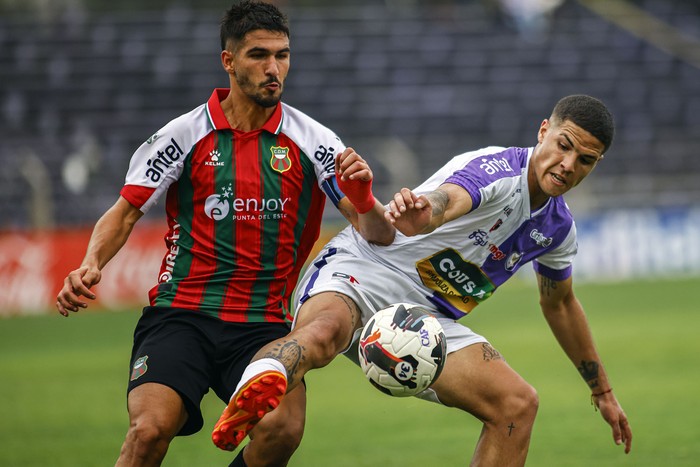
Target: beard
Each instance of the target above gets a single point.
(258, 94)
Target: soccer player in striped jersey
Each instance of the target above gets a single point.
(462, 234)
(245, 178)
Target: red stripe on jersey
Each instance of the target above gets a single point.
(312, 229)
(248, 185)
(290, 256)
(136, 195)
(172, 209)
(290, 187)
(202, 230)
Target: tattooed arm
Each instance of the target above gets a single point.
(414, 214)
(568, 322)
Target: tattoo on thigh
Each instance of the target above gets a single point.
(490, 353)
(547, 286)
(290, 354)
(589, 371)
(510, 428)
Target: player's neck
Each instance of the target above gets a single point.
(243, 114)
(537, 200)
(538, 197)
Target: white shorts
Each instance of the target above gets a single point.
(373, 287)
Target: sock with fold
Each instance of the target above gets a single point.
(257, 367)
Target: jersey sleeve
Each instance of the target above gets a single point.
(319, 144)
(484, 167)
(557, 263)
(159, 161)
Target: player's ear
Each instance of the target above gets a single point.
(543, 129)
(227, 61)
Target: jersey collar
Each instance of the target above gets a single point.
(218, 119)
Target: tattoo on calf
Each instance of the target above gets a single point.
(510, 428)
(589, 371)
(490, 353)
(355, 312)
(290, 354)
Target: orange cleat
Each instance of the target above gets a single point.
(257, 397)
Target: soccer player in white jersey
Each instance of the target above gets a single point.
(461, 234)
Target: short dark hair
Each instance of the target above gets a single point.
(248, 15)
(590, 114)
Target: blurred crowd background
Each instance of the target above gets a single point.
(409, 84)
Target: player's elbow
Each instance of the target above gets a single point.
(384, 237)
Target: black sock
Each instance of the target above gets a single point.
(238, 461)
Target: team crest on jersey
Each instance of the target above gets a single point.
(280, 160)
(513, 260)
(140, 368)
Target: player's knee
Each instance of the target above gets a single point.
(327, 337)
(147, 439)
(521, 403)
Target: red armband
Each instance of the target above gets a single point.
(359, 193)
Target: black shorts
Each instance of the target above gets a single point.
(192, 352)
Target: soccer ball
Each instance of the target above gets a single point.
(402, 349)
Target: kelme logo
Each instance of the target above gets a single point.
(280, 160)
(140, 368)
(214, 157)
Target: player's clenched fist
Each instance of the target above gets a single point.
(354, 178)
(349, 166)
(410, 213)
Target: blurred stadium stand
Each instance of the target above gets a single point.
(82, 85)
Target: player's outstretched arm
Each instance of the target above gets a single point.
(568, 322)
(365, 213)
(414, 214)
(108, 236)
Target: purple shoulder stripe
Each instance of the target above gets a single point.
(488, 168)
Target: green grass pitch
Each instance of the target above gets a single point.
(62, 390)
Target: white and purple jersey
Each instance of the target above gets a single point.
(462, 262)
